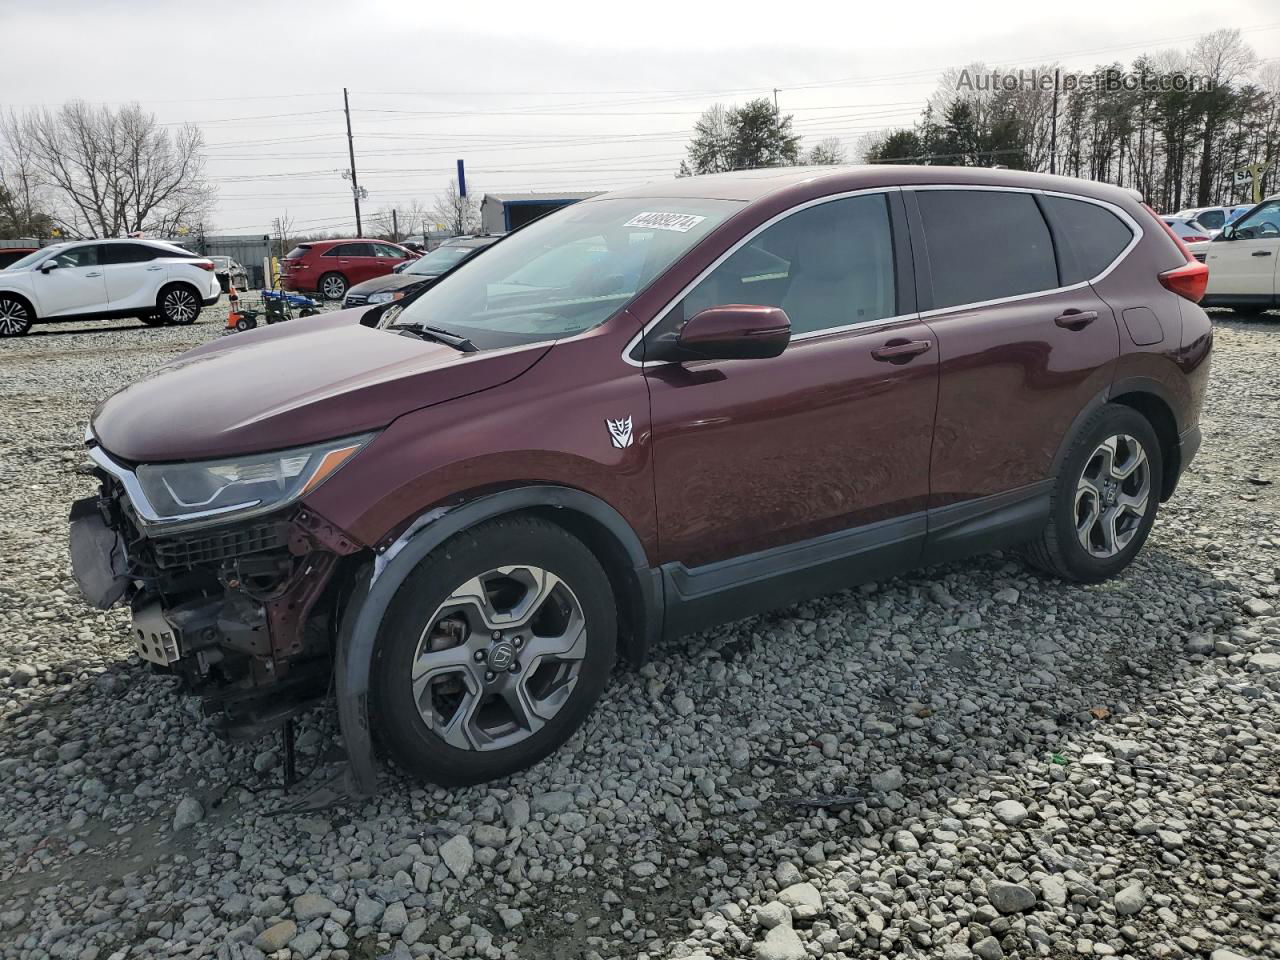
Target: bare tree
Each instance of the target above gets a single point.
(23, 205)
(1223, 58)
(113, 172)
(828, 151)
(459, 214)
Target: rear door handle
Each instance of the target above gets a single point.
(900, 351)
(155, 268)
(95, 274)
(1076, 319)
(1261, 253)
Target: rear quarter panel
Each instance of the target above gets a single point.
(1175, 365)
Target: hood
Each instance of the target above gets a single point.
(392, 281)
(291, 384)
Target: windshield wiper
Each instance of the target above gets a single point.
(439, 334)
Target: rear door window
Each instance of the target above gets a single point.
(985, 245)
(1090, 237)
(115, 253)
(1213, 219)
(349, 250)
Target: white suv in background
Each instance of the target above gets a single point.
(1242, 261)
(101, 279)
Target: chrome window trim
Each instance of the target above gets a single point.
(1133, 225)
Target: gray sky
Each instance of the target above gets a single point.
(571, 95)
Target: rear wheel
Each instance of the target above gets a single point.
(179, 305)
(15, 316)
(493, 652)
(333, 286)
(1105, 498)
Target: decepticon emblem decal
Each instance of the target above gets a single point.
(620, 432)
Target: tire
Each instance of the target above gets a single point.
(16, 316)
(488, 708)
(332, 286)
(1252, 310)
(179, 304)
(1112, 473)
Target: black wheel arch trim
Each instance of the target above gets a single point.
(358, 631)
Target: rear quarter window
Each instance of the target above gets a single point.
(1090, 237)
(985, 245)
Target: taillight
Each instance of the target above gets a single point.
(1194, 238)
(204, 264)
(1189, 280)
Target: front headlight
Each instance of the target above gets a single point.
(384, 296)
(248, 485)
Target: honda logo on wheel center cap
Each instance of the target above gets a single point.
(501, 656)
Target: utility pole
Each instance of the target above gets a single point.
(1053, 130)
(351, 151)
(395, 225)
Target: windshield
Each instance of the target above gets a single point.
(566, 272)
(221, 261)
(439, 260)
(39, 256)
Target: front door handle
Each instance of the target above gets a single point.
(94, 274)
(1076, 319)
(1261, 253)
(900, 351)
(155, 268)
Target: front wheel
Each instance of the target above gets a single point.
(15, 317)
(493, 652)
(179, 305)
(1105, 498)
(333, 286)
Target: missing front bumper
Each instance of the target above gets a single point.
(154, 638)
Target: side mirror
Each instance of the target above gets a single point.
(1227, 233)
(48, 265)
(731, 332)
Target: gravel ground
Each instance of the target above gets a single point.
(969, 761)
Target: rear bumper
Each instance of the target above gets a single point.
(1184, 452)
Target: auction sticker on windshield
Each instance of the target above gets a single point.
(679, 222)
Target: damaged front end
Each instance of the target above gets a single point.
(241, 603)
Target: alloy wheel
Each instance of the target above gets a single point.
(1112, 496)
(499, 658)
(14, 318)
(180, 306)
(333, 288)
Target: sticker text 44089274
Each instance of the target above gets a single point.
(679, 222)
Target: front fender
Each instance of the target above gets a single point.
(379, 581)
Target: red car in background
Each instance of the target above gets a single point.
(329, 267)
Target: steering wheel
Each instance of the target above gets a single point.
(1268, 229)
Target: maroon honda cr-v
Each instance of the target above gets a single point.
(644, 414)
